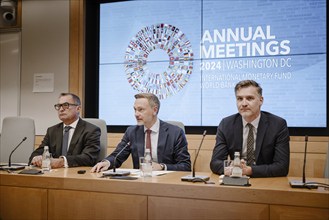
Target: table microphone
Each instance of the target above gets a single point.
(303, 183)
(115, 172)
(9, 161)
(9, 167)
(193, 178)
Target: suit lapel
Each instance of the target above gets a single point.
(140, 140)
(59, 139)
(163, 134)
(261, 130)
(239, 135)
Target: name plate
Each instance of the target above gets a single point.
(236, 181)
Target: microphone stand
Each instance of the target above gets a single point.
(193, 178)
(303, 183)
(9, 161)
(9, 167)
(115, 172)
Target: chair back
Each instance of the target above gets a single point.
(177, 123)
(14, 130)
(103, 139)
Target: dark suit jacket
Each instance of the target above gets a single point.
(84, 147)
(172, 147)
(272, 151)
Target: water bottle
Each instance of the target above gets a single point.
(46, 159)
(237, 171)
(147, 172)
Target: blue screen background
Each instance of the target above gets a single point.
(296, 92)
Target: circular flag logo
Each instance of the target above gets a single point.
(176, 64)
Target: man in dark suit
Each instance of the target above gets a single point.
(83, 138)
(168, 142)
(270, 149)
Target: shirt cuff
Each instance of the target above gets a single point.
(164, 166)
(107, 161)
(65, 161)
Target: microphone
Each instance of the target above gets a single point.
(303, 183)
(193, 178)
(115, 172)
(16, 167)
(9, 161)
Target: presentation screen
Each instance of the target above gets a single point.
(191, 54)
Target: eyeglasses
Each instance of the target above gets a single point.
(65, 105)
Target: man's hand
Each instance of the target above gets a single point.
(57, 162)
(246, 170)
(37, 161)
(101, 166)
(156, 166)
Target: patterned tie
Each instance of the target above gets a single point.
(250, 146)
(148, 140)
(65, 140)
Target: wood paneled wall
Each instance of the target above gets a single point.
(77, 49)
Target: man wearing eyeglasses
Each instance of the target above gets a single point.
(73, 142)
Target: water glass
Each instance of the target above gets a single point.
(145, 168)
(228, 166)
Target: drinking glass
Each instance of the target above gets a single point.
(228, 166)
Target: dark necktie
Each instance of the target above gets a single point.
(250, 146)
(65, 140)
(148, 140)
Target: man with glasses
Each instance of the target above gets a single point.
(73, 142)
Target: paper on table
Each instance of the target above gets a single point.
(136, 172)
(161, 172)
(132, 171)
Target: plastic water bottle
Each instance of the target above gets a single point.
(147, 172)
(237, 171)
(46, 159)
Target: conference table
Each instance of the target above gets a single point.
(65, 194)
